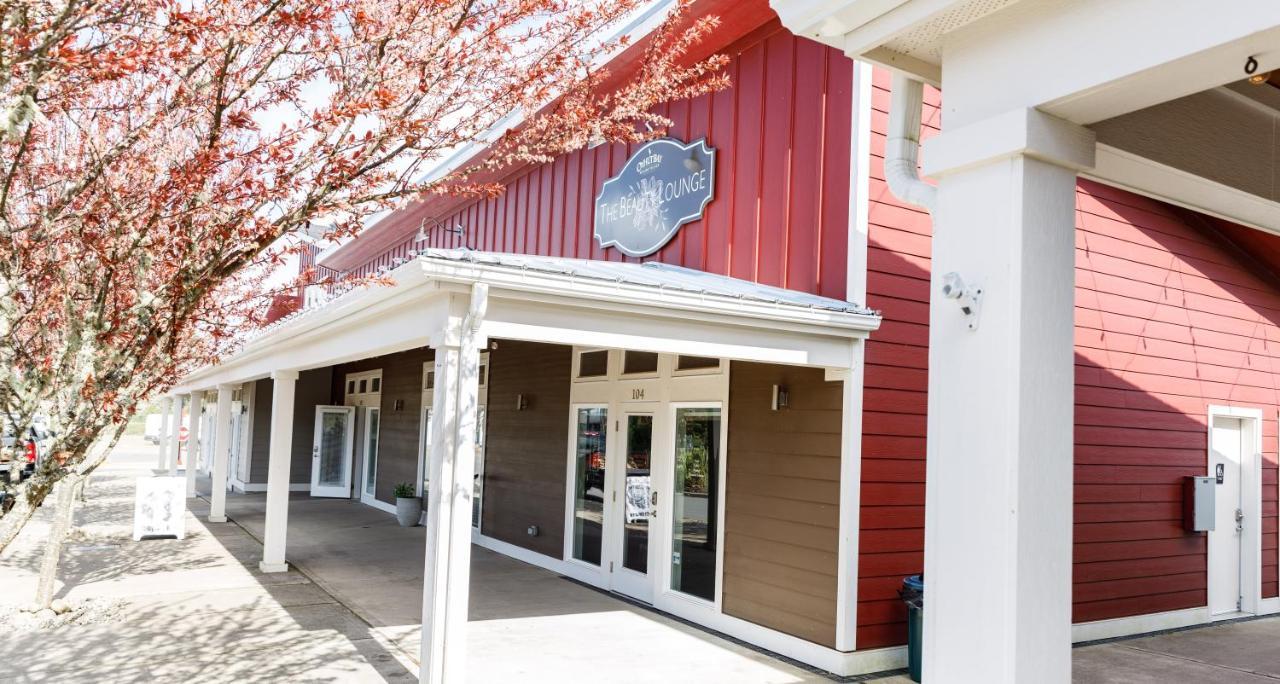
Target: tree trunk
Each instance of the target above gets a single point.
(28, 497)
(57, 534)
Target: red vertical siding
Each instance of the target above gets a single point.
(780, 215)
(1169, 319)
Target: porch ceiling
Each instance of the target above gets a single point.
(649, 306)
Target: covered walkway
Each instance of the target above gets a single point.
(530, 623)
(526, 623)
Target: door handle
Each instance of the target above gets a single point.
(1239, 520)
(315, 452)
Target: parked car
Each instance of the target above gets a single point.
(19, 457)
(152, 430)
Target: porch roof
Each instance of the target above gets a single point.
(643, 306)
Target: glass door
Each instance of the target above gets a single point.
(331, 451)
(369, 473)
(591, 432)
(637, 502)
(695, 501)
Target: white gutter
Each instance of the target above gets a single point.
(902, 148)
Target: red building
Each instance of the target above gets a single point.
(1177, 370)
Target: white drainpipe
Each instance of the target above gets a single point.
(901, 170)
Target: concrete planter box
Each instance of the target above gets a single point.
(408, 511)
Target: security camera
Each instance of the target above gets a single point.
(952, 286)
(969, 298)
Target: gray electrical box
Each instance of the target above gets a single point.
(1198, 505)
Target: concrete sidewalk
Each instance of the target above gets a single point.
(195, 610)
(526, 625)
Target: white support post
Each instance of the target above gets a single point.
(447, 574)
(163, 437)
(195, 401)
(276, 526)
(850, 499)
(221, 454)
(174, 445)
(998, 505)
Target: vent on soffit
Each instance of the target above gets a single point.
(924, 41)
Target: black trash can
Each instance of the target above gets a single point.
(912, 594)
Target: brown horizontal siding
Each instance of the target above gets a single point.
(526, 450)
(782, 497)
(400, 428)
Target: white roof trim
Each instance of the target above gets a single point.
(650, 306)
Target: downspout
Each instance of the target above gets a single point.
(901, 169)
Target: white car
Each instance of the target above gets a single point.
(152, 430)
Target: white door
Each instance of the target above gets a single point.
(369, 472)
(238, 469)
(331, 451)
(634, 506)
(1226, 464)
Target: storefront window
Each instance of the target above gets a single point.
(694, 504)
(588, 488)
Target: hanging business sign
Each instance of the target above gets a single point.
(663, 186)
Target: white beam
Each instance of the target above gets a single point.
(446, 578)
(276, 526)
(175, 447)
(221, 455)
(998, 505)
(195, 401)
(163, 438)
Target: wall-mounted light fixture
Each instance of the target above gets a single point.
(398, 405)
(522, 402)
(781, 398)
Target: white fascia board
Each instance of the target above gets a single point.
(381, 319)
(718, 308)
(358, 306)
(524, 320)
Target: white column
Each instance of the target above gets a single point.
(195, 401)
(174, 444)
(221, 454)
(850, 498)
(998, 501)
(446, 577)
(276, 525)
(163, 437)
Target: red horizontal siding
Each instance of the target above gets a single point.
(780, 215)
(1169, 319)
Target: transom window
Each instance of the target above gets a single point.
(593, 364)
(636, 362)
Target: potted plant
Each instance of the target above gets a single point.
(408, 506)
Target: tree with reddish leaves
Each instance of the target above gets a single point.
(162, 158)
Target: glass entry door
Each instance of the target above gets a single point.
(695, 502)
(636, 507)
(369, 478)
(331, 451)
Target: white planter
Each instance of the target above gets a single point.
(408, 511)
